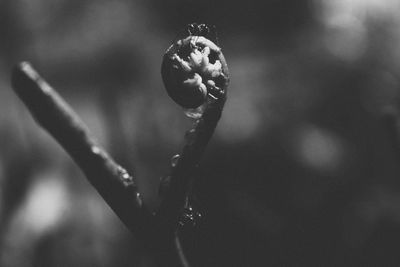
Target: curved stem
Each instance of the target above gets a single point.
(182, 172)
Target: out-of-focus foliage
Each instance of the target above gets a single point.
(301, 170)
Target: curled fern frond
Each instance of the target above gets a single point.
(194, 68)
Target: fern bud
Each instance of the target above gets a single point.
(194, 68)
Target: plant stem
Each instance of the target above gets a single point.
(116, 186)
(183, 171)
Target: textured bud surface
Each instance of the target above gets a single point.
(193, 70)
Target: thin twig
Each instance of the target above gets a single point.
(113, 182)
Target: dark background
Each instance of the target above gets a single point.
(300, 172)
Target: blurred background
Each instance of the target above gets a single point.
(300, 172)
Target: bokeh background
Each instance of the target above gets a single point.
(302, 170)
